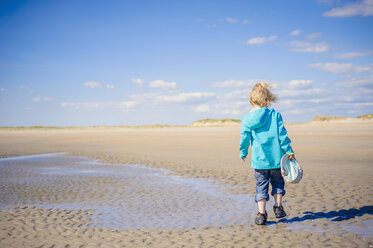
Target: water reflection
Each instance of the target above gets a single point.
(133, 196)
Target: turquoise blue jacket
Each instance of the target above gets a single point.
(265, 130)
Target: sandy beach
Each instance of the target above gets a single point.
(331, 207)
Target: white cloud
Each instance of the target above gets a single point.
(158, 98)
(366, 82)
(211, 25)
(307, 47)
(232, 104)
(231, 20)
(25, 87)
(299, 99)
(300, 93)
(125, 105)
(300, 83)
(237, 94)
(2, 89)
(138, 81)
(237, 99)
(355, 104)
(261, 40)
(234, 83)
(231, 112)
(38, 99)
(143, 98)
(98, 105)
(337, 68)
(234, 20)
(163, 85)
(290, 93)
(334, 68)
(353, 55)
(298, 102)
(314, 36)
(202, 108)
(191, 97)
(295, 32)
(92, 84)
(110, 86)
(364, 8)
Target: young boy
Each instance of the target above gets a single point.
(264, 129)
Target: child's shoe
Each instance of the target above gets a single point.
(279, 211)
(261, 219)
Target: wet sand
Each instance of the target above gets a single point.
(328, 208)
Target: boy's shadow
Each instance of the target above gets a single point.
(340, 215)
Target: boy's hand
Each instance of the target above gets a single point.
(243, 159)
(291, 157)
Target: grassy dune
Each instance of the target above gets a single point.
(338, 118)
(216, 122)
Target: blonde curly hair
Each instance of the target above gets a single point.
(261, 96)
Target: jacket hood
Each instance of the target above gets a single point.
(257, 118)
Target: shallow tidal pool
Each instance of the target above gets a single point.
(133, 196)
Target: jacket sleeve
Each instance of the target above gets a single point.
(283, 136)
(245, 141)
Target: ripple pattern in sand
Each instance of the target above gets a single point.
(125, 196)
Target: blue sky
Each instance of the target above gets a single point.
(83, 63)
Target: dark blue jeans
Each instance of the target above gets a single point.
(263, 178)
